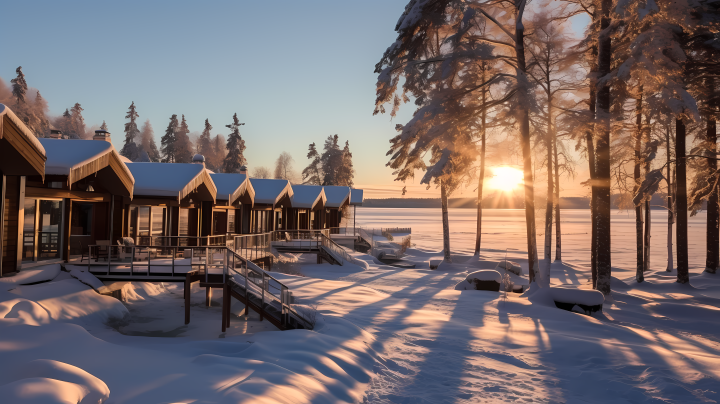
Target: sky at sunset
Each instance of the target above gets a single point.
(295, 72)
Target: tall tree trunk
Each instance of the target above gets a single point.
(524, 115)
(670, 202)
(713, 213)
(481, 176)
(646, 240)
(550, 184)
(445, 222)
(558, 238)
(604, 263)
(593, 191)
(683, 275)
(639, 242)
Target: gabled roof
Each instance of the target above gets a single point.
(231, 186)
(176, 180)
(308, 196)
(356, 197)
(20, 151)
(336, 196)
(77, 159)
(269, 191)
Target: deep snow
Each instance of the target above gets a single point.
(383, 335)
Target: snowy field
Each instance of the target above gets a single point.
(383, 335)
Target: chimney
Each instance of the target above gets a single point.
(199, 159)
(55, 134)
(102, 135)
(243, 170)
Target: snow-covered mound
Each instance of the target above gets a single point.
(481, 280)
(48, 381)
(509, 266)
(30, 276)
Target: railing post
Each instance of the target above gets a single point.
(207, 258)
(173, 261)
(132, 260)
(149, 259)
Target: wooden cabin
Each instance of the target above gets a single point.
(338, 198)
(77, 203)
(21, 156)
(173, 204)
(272, 198)
(356, 199)
(307, 201)
(234, 203)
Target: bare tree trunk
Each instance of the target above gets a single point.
(713, 214)
(558, 237)
(445, 222)
(550, 185)
(593, 193)
(524, 115)
(639, 250)
(604, 263)
(683, 275)
(646, 241)
(671, 207)
(481, 176)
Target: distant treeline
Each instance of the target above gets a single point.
(502, 201)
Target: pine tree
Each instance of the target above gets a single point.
(205, 147)
(331, 160)
(147, 143)
(169, 140)
(312, 174)
(130, 149)
(104, 126)
(183, 145)
(42, 126)
(77, 122)
(346, 172)
(19, 86)
(219, 151)
(235, 147)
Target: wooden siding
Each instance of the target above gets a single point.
(10, 242)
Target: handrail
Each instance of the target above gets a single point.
(328, 243)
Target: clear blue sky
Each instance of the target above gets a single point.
(294, 71)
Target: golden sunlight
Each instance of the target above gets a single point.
(505, 178)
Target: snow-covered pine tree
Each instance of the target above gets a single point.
(346, 172)
(219, 147)
(19, 86)
(205, 147)
(130, 149)
(147, 143)
(235, 148)
(331, 160)
(77, 122)
(312, 174)
(183, 145)
(42, 126)
(169, 140)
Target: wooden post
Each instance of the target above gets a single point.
(3, 185)
(208, 295)
(65, 232)
(229, 304)
(224, 308)
(187, 298)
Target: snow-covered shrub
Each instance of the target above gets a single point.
(509, 266)
(507, 283)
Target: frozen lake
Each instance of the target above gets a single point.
(505, 228)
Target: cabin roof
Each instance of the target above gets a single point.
(270, 191)
(27, 156)
(231, 186)
(176, 180)
(308, 196)
(337, 196)
(356, 197)
(77, 159)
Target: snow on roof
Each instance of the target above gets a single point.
(125, 159)
(270, 191)
(169, 179)
(307, 196)
(76, 157)
(336, 196)
(29, 136)
(356, 197)
(227, 184)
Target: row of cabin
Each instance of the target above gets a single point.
(61, 195)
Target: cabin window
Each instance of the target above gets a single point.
(28, 253)
(231, 221)
(82, 214)
(41, 229)
(158, 221)
(220, 222)
(132, 226)
(143, 221)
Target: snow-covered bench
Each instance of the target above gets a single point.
(589, 301)
(487, 279)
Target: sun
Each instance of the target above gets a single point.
(505, 178)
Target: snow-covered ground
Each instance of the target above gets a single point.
(384, 334)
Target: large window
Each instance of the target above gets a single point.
(143, 221)
(82, 214)
(158, 221)
(28, 247)
(231, 221)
